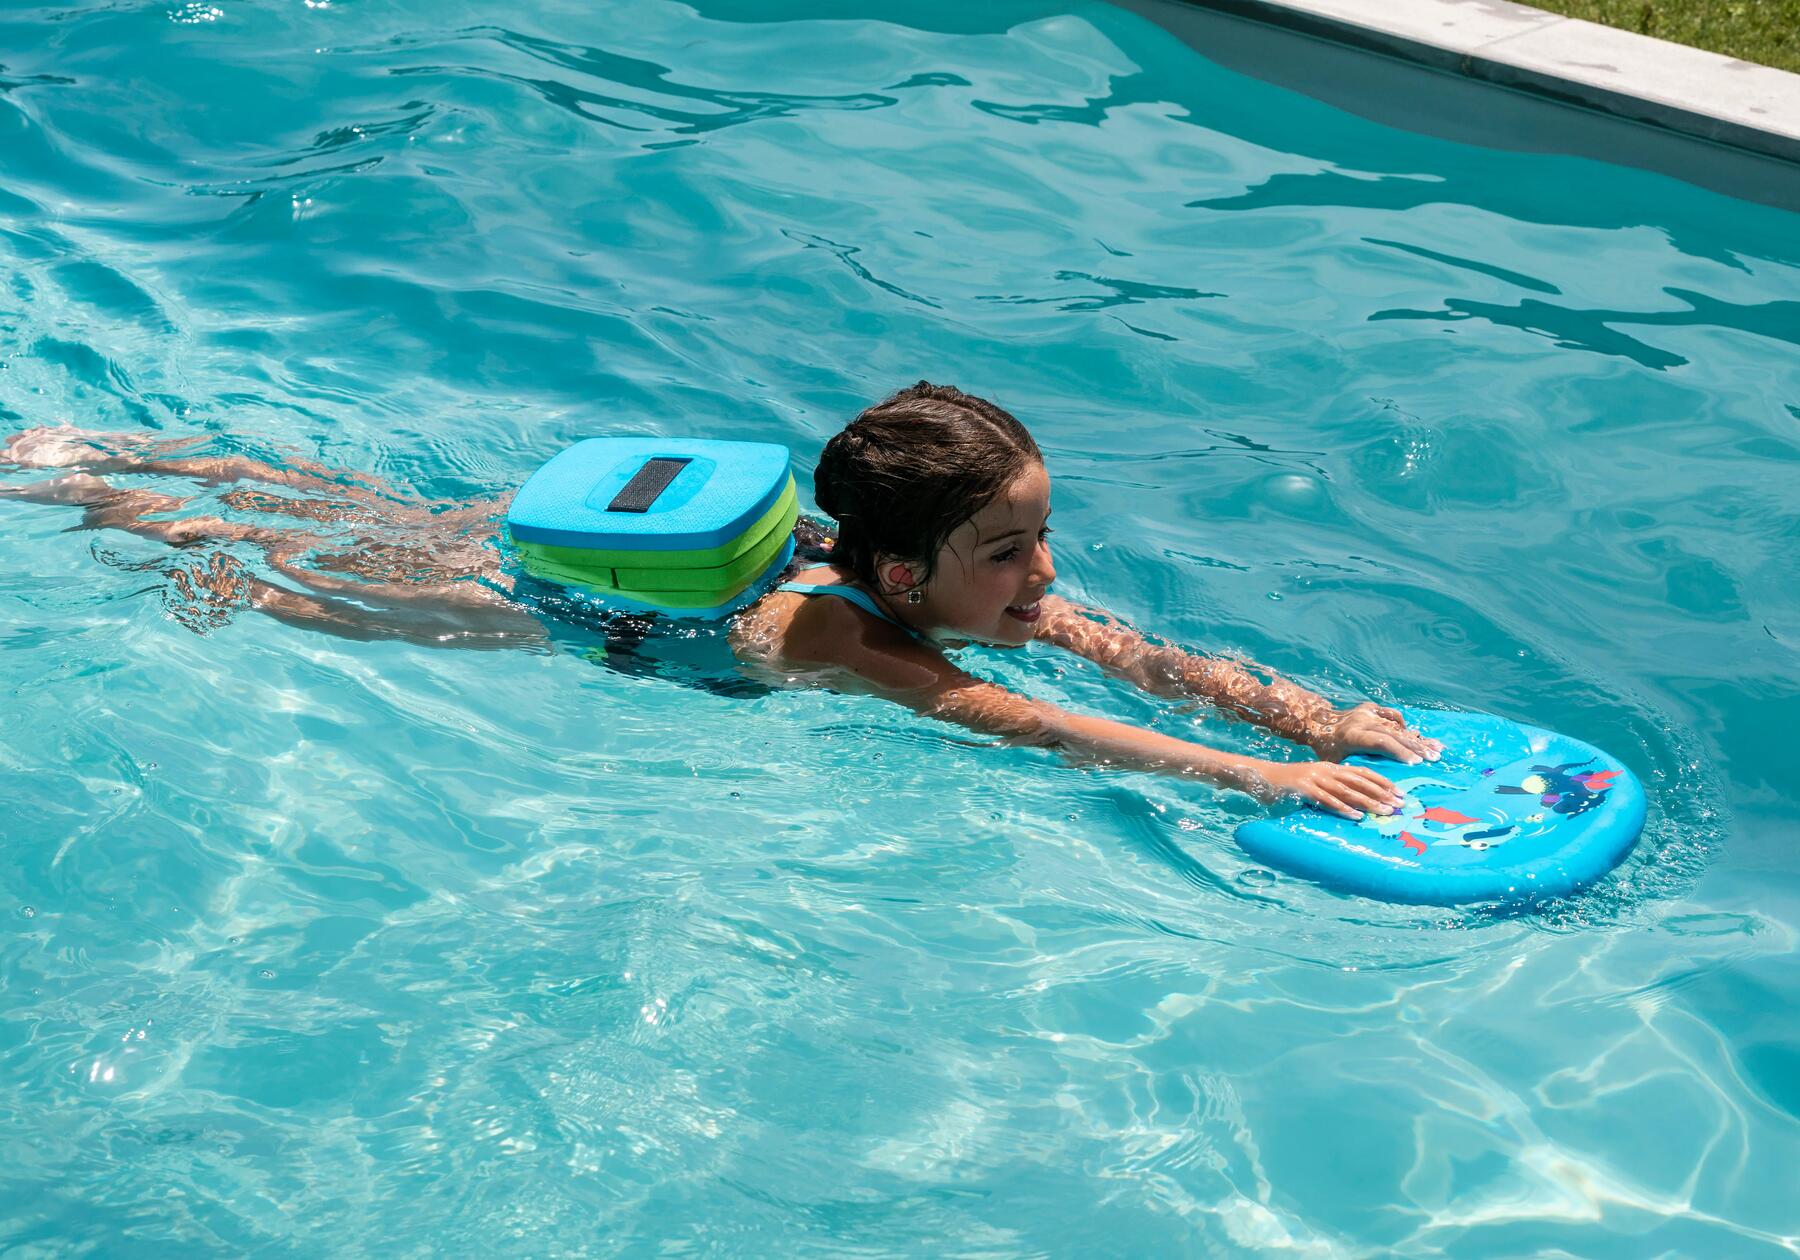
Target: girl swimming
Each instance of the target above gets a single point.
(942, 505)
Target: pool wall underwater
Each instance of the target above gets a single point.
(1448, 68)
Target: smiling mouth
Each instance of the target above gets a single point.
(1026, 612)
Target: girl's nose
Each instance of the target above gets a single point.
(1043, 569)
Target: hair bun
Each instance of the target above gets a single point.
(828, 476)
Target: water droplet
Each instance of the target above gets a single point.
(30, 912)
(1256, 877)
(266, 974)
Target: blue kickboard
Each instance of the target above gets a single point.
(1508, 813)
(722, 489)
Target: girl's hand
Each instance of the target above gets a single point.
(1372, 728)
(1347, 791)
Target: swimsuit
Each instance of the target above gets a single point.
(860, 598)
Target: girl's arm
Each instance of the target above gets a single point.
(854, 652)
(1272, 702)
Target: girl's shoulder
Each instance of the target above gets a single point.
(831, 581)
(816, 616)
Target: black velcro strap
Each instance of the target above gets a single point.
(646, 485)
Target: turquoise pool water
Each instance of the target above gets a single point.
(317, 947)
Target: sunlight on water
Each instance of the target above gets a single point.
(317, 942)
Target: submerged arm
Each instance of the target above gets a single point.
(854, 652)
(1271, 701)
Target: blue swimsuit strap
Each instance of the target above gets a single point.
(860, 598)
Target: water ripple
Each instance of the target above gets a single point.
(305, 934)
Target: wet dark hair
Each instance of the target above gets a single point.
(907, 472)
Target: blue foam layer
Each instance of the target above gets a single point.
(723, 490)
(1510, 813)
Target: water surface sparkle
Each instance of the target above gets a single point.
(313, 942)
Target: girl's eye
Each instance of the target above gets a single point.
(1012, 553)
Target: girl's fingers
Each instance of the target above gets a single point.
(1364, 790)
(1391, 715)
(1395, 747)
(1379, 737)
(1378, 784)
(1426, 748)
(1331, 803)
(1373, 799)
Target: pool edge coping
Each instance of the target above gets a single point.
(1686, 90)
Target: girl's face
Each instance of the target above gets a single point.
(994, 569)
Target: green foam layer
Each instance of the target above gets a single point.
(672, 579)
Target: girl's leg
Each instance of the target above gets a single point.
(498, 627)
(65, 446)
(99, 452)
(442, 614)
(105, 506)
(401, 537)
(475, 519)
(463, 595)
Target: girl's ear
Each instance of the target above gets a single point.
(895, 577)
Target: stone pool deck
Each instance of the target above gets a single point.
(1685, 90)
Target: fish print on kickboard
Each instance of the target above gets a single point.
(1420, 828)
(1566, 790)
(1564, 793)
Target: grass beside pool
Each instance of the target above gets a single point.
(1765, 31)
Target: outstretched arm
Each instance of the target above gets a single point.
(1269, 700)
(854, 652)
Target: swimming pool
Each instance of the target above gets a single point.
(320, 947)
